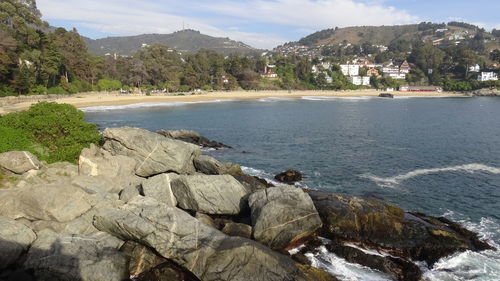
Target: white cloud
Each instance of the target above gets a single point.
(218, 18)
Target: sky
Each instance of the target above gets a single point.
(259, 23)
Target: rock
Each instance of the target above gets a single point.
(209, 254)
(142, 259)
(386, 95)
(383, 226)
(210, 194)
(128, 193)
(117, 171)
(251, 182)
(56, 202)
(282, 216)
(238, 229)
(206, 219)
(69, 257)
(167, 271)
(153, 153)
(397, 268)
(159, 187)
(15, 238)
(192, 137)
(19, 162)
(289, 176)
(211, 166)
(487, 93)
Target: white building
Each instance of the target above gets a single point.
(475, 68)
(487, 76)
(350, 69)
(359, 80)
(396, 75)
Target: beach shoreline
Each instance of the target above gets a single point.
(83, 100)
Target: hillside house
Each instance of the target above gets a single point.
(269, 71)
(487, 76)
(359, 80)
(404, 67)
(350, 69)
(475, 68)
(372, 72)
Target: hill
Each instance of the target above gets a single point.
(386, 35)
(185, 41)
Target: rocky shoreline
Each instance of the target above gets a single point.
(151, 206)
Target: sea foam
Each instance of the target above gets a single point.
(394, 181)
(145, 105)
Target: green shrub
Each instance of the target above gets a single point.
(108, 85)
(58, 129)
(15, 139)
(7, 90)
(38, 90)
(58, 90)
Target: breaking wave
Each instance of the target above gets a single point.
(393, 181)
(101, 108)
(326, 98)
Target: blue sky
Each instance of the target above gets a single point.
(259, 23)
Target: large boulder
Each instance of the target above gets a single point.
(211, 166)
(210, 194)
(203, 250)
(192, 137)
(159, 187)
(237, 229)
(116, 172)
(76, 257)
(153, 153)
(15, 238)
(57, 202)
(376, 224)
(19, 162)
(282, 216)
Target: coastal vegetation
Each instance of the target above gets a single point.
(38, 59)
(53, 132)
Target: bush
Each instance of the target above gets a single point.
(7, 90)
(59, 131)
(38, 90)
(109, 85)
(58, 90)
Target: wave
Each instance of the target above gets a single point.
(269, 177)
(393, 181)
(275, 99)
(101, 108)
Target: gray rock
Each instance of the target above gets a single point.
(159, 187)
(128, 193)
(141, 258)
(19, 162)
(210, 194)
(238, 229)
(56, 202)
(211, 166)
(282, 216)
(77, 257)
(206, 252)
(154, 153)
(15, 238)
(192, 137)
(118, 170)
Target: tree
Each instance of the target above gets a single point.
(495, 55)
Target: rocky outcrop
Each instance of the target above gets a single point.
(376, 224)
(58, 202)
(153, 153)
(15, 238)
(203, 250)
(486, 93)
(159, 187)
(289, 176)
(70, 257)
(210, 194)
(19, 162)
(192, 137)
(211, 166)
(282, 216)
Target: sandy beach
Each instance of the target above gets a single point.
(13, 104)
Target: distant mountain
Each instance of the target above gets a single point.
(185, 41)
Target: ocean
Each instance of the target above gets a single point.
(440, 156)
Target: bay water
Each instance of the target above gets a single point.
(440, 156)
